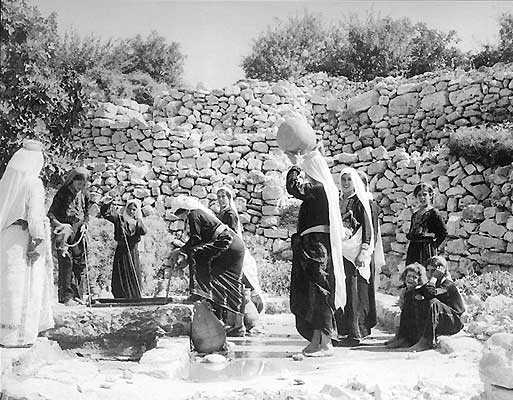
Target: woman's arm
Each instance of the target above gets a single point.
(438, 227)
(297, 189)
(107, 213)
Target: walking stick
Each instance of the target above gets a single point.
(86, 259)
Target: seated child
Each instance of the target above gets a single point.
(413, 276)
(434, 309)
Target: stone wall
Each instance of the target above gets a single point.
(194, 141)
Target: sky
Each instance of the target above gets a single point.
(216, 35)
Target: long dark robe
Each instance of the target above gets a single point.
(359, 314)
(312, 283)
(126, 269)
(217, 261)
(229, 218)
(427, 233)
(70, 207)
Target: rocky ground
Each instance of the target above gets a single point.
(259, 367)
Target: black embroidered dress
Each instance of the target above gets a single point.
(217, 256)
(312, 282)
(126, 269)
(427, 232)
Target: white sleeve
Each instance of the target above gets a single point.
(36, 209)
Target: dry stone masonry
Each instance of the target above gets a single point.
(396, 130)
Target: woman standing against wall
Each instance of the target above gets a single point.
(128, 229)
(359, 315)
(427, 228)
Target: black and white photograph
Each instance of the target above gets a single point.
(256, 200)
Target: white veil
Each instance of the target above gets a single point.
(19, 179)
(315, 166)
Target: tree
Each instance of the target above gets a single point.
(431, 50)
(500, 52)
(288, 49)
(153, 56)
(36, 100)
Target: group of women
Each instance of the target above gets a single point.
(337, 250)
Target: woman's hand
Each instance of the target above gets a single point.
(34, 250)
(292, 157)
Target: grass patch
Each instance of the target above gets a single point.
(489, 146)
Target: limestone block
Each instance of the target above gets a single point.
(274, 164)
(384, 183)
(434, 101)
(270, 99)
(378, 167)
(492, 228)
(363, 101)
(269, 221)
(347, 158)
(465, 95)
(318, 99)
(272, 192)
(487, 242)
(276, 233)
(473, 212)
(199, 191)
(376, 113)
(475, 185)
(409, 87)
(162, 143)
(496, 364)
(498, 258)
(141, 193)
(456, 247)
(364, 154)
(459, 344)
(186, 163)
(132, 147)
(492, 392)
(404, 104)
(256, 177)
(335, 105)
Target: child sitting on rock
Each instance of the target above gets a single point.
(436, 309)
(413, 276)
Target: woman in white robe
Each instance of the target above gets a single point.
(25, 256)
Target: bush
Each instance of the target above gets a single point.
(487, 285)
(485, 145)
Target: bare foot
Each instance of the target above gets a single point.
(397, 344)
(321, 353)
(311, 348)
(421, 345)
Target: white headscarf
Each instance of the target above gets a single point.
(352, 246)
(20, 182)
(138, 213)
(188, 203)
(315, 166)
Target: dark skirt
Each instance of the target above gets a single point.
(420, 251)
(126, 277)
(428, 319)
(359, 314)
(312, 285)
(220, 279)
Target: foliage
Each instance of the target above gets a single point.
(36, 98)
(503, 50)
(152, 55)
(487, 284)
(489, 146)
(359, 49)
(289, 49)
